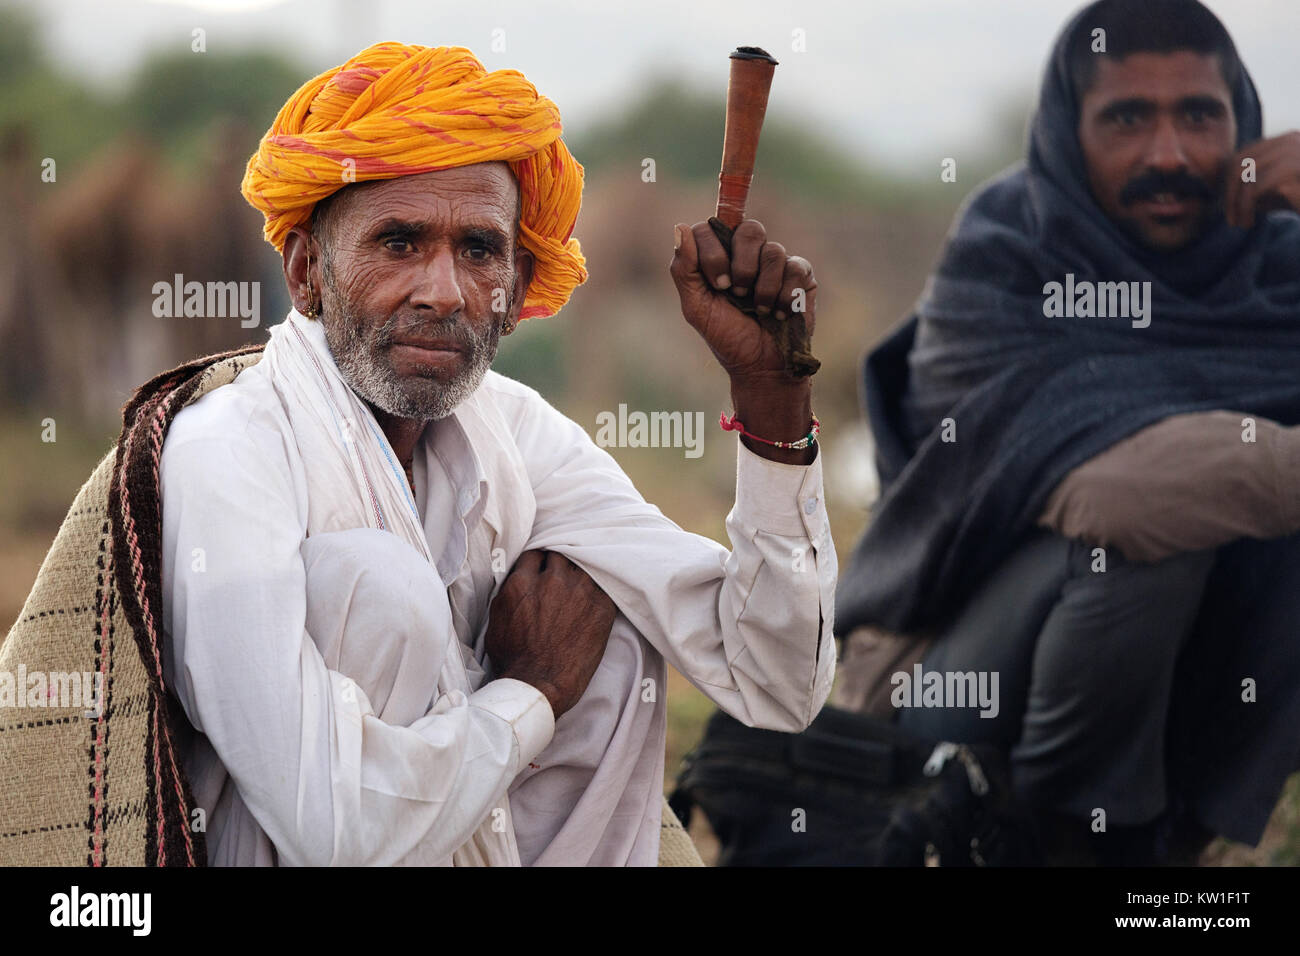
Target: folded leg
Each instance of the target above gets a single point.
(1102, 677)
(1086, 661)
(593, 797)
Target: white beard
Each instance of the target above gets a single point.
(361, 358)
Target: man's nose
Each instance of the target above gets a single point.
(437, 288)
(1165, 151)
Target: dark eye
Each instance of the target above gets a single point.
(397, 244)
(1197, 114)
(1127, 118)
(479, 251)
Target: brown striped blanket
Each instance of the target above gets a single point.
(104, 786)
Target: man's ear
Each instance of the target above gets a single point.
(303, 284)
(524, 263)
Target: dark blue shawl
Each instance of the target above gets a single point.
(1033, 397)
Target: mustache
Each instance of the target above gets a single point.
(448, 329)
(1182, 185)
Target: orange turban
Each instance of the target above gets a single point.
(398, 110)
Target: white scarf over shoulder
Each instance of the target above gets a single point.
(355, 481)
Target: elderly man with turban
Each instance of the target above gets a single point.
(409, 611)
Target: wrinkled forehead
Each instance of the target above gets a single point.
(484, 192)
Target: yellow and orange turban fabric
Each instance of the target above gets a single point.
(399, 110)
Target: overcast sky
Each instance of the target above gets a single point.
(903, 81)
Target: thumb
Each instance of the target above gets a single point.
(685, 270)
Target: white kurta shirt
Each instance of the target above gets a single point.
(292, 765)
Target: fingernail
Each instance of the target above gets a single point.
(780, 313)
(723, 282)
(740, 290)
(677, 238)
(762, 310)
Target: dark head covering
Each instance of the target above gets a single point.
(1072, 221)
(1032, 397)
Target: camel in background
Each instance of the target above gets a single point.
(82, 254)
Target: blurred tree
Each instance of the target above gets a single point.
(682, 131)
(19, 49)
(54, 111)
(176, 97)
(173, 100)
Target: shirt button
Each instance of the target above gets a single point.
(810, 506)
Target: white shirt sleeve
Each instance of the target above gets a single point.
(750, 627)
(327, 781)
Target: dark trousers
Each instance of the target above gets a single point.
(1122, 689)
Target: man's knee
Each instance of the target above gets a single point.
(378, 613)
(1094, 725)
(1106, 593)
(371, 574)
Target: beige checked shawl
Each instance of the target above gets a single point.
(108, 790)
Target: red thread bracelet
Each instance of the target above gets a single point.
(733, 424)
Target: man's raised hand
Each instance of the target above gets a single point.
(1276, 180)
(704, 273)
(769, 401)
(548, 626)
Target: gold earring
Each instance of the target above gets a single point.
(310, 312)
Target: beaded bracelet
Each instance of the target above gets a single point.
(733, 424)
